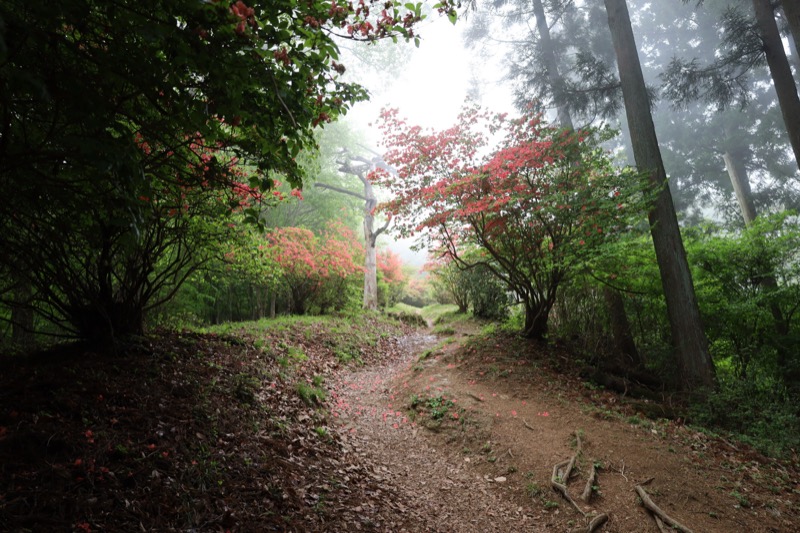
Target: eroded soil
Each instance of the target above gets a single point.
(485, 464)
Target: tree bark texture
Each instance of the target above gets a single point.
(780, 70)
(791, 8)
(694, 363)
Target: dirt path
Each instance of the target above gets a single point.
(447, 495)
(469, 435)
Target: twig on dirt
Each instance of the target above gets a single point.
(474, 397)
(622, 472)
(509, 453)
(588, 489)
(660, 523)
(657, 512)
(527, 425)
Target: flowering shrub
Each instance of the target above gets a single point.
(392, 281)
(316, 270)
(538, 204)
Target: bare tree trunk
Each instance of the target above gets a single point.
(370, 233)
(273, 296)
(741, 184)
(780, 70)
(370, 252)
(694, 363)
(621, 329)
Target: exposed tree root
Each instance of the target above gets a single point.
(588, 489)
(560, 478)
(660, 516)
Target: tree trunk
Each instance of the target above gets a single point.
(553, 76)
(623, 338)
(535, 321)
(791, 8)
(370, 261)
(741, 184)
(621, 330)
(370, 234)
(780, 70)
(694, 363)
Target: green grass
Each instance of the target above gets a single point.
(400, 307)
(432, 313)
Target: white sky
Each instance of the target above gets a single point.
(430, 92)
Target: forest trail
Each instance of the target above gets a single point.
(328, 425)
(467, 432)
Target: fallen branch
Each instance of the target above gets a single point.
(527, 425)
(474, 397)
(657, 512)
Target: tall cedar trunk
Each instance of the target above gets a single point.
(627, 354)
(741, 184)
(553, 76)
(780, 70)
(791, 8)
(695, 367)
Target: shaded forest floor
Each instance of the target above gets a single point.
(361, 424)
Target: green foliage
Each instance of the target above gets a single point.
(754, 413)
(142, 123)
(436, 406)
(748, 288)
(487, 294)
(533, 209)
(449, 285)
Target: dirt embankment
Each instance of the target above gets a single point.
(472, 429)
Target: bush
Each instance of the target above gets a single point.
(486, 293)
(756, 414)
